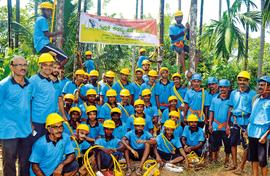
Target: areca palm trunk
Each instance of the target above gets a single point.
(193, 35)
(141, 9)
(77, 59)
(161, 30)
(18, 21)
(247, 39)
(9, 7)
(262, 42)
(85, 5)
(219, 9)
(99, 7)
(60, 22)
(179, 4)
(201, 17)
(137, 9)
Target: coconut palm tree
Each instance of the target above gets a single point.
(265, 6)
(224, 35)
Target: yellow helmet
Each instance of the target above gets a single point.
(110, 74)
(139, 121)
(170, 124)
(117, 110)
(75, 109)
(172, 98)
(139, 70)
(138, 102)
(94, 73)
(80, 72)
(146, 92)
(46, 5)
(146, 62)
(176, 75)
(91, 108)
(152, 73)
(163, 69)
(124, 92)
(91, 92)
(178, 13)
(244, 74)
(69, 96)
(109, 124)
(174, 113)
(53, 118)
(45, 57)
(111, 93)
(87, 53)
(125, 71)
(192, 118)
(83, 127)
(142, 50)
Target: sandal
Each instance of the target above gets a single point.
(238, 171)
(139, 171)
(230, 168)
(129, 171)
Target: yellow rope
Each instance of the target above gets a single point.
(53, 16)
(151, 168)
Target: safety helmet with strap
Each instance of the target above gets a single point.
(53, 118)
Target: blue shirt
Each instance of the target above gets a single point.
(49, 154)
(136, 89)
(111, 144)
(259, 118)
(167, 145)
(148, 123)
(105, 112)
(40, 39)
(43, 98)
(220, 108)
(95, 130)
(104, 89)
(151, 111)
(193, 138)
(176, 30)
(84, 145)
(165, 116)
(14, 109)
(83, 107)
(85, 88)
(140, 60)
(181, 91)
(177, 133)
(194, 100)
(163, 92)
(127, 111)
(69, 88)
(153, 92)
(132, 138)
(241, 103)
(90, 65)
(145, 78)
(117, 87)
(119, 131)
(63, 82)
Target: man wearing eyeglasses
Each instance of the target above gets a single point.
(15, 120)
(44, 100)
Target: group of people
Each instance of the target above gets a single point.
(49, 121)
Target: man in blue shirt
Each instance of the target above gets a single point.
(240, 109)
(110, 75)
(126, 108)
(138, 143)
(163, 88)
(142, 57)
(195, 100)
(120, 127)
(177, 36)
(151, 84)
(53, 154)
(178, 89)
(89, 62)
(110, 145)
(93, 84)
(137, 83)
(91, 95)
(218, 121)
(146, 69)
(42, 35)
(15, 93)
(124, 83)
(193, 136)
(105, 111)
(259, 128)
(44, 100)
(62, 80)
(212, 84)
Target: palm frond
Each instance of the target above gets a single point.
(252, 18)
(266, 12)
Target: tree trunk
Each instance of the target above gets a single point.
(18, 21)
(201, 17)
(137, 9)
(36, 9)
(77, 59)
(193, 35)
(85, 5)
(161, 30)
(141, 9)
(247, 38)
(60, 22)
(262, 42)
(179, 4)
(99, 7)
(9, 7)
(219, 9)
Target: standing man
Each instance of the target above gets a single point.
(44, 100)
(259, 128)
(15, 93)
(89, 62)
(240, 109)
(42, 35)
(177, 35)
(109, 77)
(137, 83)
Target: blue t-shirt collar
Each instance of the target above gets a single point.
(26, 82)
(42, 77)
(49, 140)
(192, 131)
